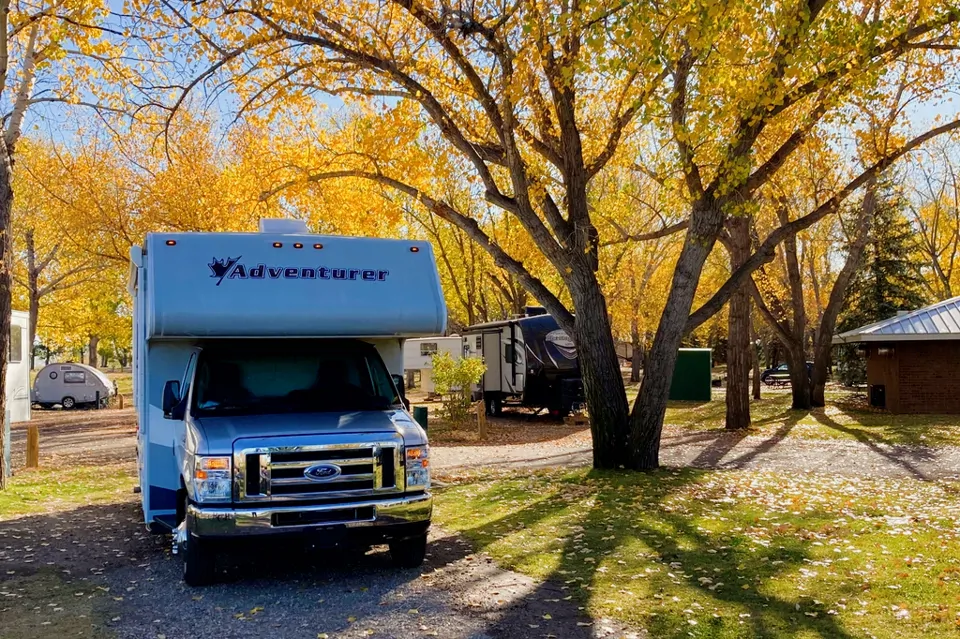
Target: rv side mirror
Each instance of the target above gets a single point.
(402, 390)
(171, 397)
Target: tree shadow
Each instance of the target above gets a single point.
(687, 559)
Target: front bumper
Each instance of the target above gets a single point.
(366, 516)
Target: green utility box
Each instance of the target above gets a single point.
(693, 375)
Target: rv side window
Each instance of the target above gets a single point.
(75, 377)
(508, 353)
(428, 348)
(15, 355)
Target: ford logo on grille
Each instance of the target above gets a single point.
(322, 472)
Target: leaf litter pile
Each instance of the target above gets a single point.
(728, 554)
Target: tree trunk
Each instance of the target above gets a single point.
(651, 405)
(6, 282)
(799, 378)
(823, 340)
(637, 359)
(738, 331)
(756, 360)
(600, 369)
(33, 290)
(92, 355)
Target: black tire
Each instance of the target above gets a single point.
(199, 562)
(768, 380)
(409, 553)
(68, 403)
(494, 406)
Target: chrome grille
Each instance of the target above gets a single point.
(275, 473)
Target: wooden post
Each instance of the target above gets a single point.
(482, 419)
(33, 446)
(120, 400)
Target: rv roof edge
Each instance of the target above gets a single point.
(283, 226)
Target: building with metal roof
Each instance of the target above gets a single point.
(913, 359)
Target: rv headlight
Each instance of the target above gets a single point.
(211, 479)
(418, 467)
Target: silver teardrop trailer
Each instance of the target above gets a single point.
(72, 385)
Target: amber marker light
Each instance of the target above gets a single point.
(171, 242)
(278, 245)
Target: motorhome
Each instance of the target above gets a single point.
(530, 361)
(269, 391)
(71, 385)
(418, 357)
(17, 385)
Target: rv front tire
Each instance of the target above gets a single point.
(494, 405)
(199, 562)
(68, 403)
(409, 553)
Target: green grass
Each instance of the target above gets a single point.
(846, 416)
(124, 383)
(728, 554)
(40, 491)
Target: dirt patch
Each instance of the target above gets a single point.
(79, 438)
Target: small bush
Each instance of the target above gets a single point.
(452, 380)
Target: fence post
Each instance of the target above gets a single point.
(120, 400)
(33, 446)
(482, 419)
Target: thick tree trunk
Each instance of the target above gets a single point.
(602, 383)
(637, 359)
(755, 351)
(799, 378)
(646, 421)
(92, 357)
(738, 331)
(6, 285)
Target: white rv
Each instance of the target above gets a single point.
(17, 386)
(269, 392)
(418, 356)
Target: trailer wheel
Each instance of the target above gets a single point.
(494, 406)
(409, 553)
(68, 403)
(199, 562)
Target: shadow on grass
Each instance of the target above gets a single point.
(633, 515)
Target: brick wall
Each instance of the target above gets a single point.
(929, 376)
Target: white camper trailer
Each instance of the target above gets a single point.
(17, 387)
(269, 391)
(418, 356)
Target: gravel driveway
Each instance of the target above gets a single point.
(104, 553)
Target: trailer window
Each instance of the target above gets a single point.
(74, 377)
(428, 348)
(15, 355)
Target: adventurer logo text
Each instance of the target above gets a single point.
(233, 269)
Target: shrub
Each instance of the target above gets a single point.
(452, 380)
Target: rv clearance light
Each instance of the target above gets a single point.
(414, 249)
(297, 245)
(277, 244)
(318, 246)
(171, 242)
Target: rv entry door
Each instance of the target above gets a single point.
(492, 348)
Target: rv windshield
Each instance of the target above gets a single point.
(336, 376)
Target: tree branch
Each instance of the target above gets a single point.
(767, 249)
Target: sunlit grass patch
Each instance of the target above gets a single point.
(48, 490)
(846, 416)
(728, 554)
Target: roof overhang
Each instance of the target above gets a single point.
(903, 337)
